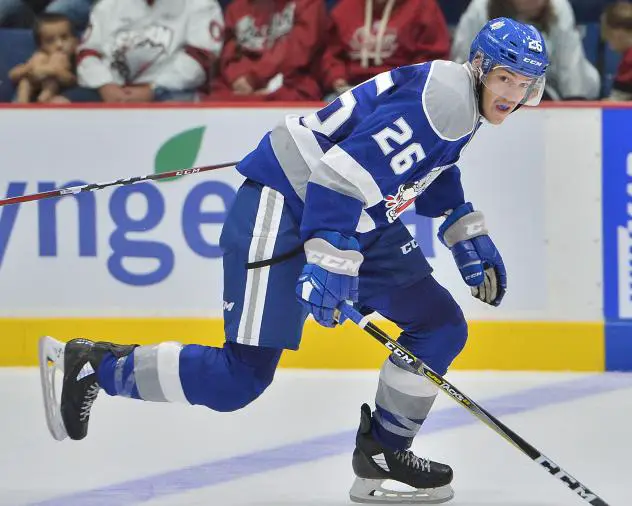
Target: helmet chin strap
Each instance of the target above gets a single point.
(478, 87)
(481, 113)
(479, 92)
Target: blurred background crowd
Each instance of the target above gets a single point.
(60, 51)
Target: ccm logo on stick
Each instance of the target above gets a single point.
(552, 468)
(406, 358)
(186, 172)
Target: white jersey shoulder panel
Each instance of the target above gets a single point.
(450, 101)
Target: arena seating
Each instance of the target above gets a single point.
(17, 45)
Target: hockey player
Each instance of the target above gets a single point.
(332, 184)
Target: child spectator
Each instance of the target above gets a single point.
(570, 75)
(617, 30)
(368, 37)
(51, 67)
(271, 49)
(148, 50)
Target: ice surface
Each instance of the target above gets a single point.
(293, 445)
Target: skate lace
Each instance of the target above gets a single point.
(410, 459)
(88, 401)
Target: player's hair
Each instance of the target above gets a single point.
(49, 17)
(506, 9)
(618, 16)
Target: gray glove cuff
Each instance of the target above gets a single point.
(469, 226)
(320, 252)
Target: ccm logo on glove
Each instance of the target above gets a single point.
(476, 256)
(330, 276)
(320, 252)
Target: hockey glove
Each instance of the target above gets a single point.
(475, 254)
(330, 276)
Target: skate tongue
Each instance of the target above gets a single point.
(365, 419)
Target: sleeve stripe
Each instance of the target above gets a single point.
(204, 58)
(384, 82)
(305, 141)
(325, 176)
(86, 53)
(342, 163)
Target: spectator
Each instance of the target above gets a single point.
(22, 13)
(51, 66)
(143, 51)
(617, 30)
(571, 75)
(270, 50)
(368, 37)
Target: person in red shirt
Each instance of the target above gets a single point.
(270, 49)
(368, 37)
(617, 30)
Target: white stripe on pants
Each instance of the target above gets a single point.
(262, 244)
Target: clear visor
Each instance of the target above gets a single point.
(514, 87)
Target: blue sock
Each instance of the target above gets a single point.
(387, 437)
(116, 376)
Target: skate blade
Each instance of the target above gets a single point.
(373, 491)
(51, 359)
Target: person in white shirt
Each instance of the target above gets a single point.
(148, 50)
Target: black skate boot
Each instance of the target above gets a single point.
(78, 359)
(428, 482)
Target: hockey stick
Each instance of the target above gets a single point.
(489, 420)
(100, 186)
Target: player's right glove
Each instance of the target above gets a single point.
(476, 256)
(330, 276)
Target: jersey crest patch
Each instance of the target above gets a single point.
(408, 192)
(253, 37)
(368, 41)
(135, 51)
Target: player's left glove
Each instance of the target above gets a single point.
(475, 254)
(330, 276)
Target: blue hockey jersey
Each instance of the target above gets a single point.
(355, 165)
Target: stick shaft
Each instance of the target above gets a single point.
(492, 422)
(100, 186)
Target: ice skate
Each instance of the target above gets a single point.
(425, 481)
(77, 360)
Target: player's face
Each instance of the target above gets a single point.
(57, 37)
(503, 90)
